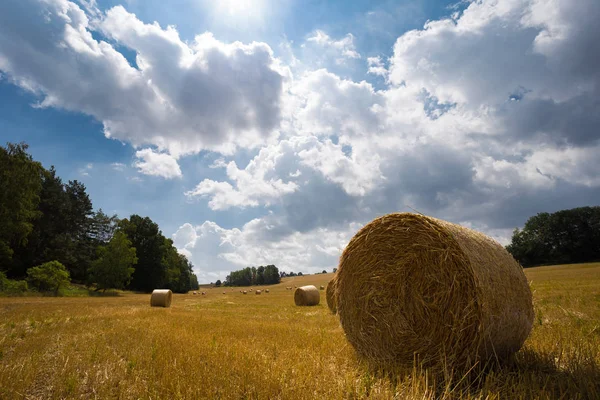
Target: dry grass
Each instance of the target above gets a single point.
(264, 347)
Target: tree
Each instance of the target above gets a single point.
(324, 272)
(114, 266)
(103, 226)
(20, 183)
(49, 276)
(567, 236)
(48, 239)
(194, 282)
(218, 282)
(151, 270)
(81, 246)
(334, 270)
(263, 275)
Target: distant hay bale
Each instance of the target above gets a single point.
(161, 298)
(266, 290)
(224, 292)
(322, 287)
(203, 293)
(245, 292)
(195, 293)
(258, 292)
(329, 296)
(410, 287)
(307, 296)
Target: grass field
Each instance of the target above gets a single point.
(235, 346)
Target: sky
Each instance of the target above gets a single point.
(269, 132)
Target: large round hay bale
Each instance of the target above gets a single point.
(258, 291)
(266, 290)
(161, 298)
(329, 296)
(410, 287)
(307, 296)
(245, 292)
(322, 287)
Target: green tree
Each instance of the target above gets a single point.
(114, 266)
(49, 276)
(20, 183)
(218, 282)
(103, 226)
(194, 282)
(81, 247)
(567, 236)
(151, 270)
(49, 237)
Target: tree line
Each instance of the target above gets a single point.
(45, 220)
(263, 275)
(564, 237)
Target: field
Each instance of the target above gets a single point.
(235, 346)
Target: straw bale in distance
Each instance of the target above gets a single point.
(329, 296)
(266, 290)
(161, 298)
(258, 291)
(245, 292)
(322, 287)
(307, 296)
(414, 287)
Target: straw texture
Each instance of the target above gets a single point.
(329, 295)
(161, 298)
(307, 296)
(410, 287)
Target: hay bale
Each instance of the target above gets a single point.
(245, 292)
(258, 291)
(224, 292)
(414, 287)
(307, 296)
(161, 298)
(195, 293)
(321, 287)
(266, 290)
(329, 296)
(203, 293)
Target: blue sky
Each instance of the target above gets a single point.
(269, 132)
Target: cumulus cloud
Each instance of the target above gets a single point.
(490, 117)
(344, 47)
(376, 66)
(215, 251)
(157, 164)
(181, 97)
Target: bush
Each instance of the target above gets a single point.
(8, 286)
(48, 277)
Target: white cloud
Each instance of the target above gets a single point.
(157, 164)
(344, 47)
(216, 251)
(376, 66)
(85, 171)
(182, 96)
(118, 166)
(296, 160)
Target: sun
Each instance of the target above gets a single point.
(238, 7)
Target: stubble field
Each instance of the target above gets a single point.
(235, 346)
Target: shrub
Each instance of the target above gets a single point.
(9, 286)
(49, 276)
